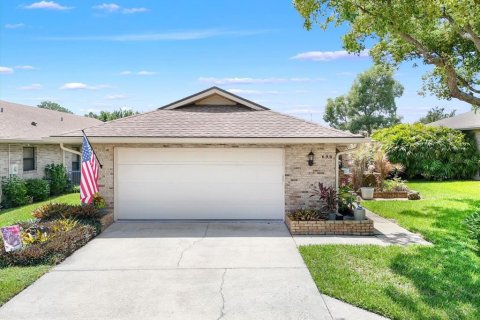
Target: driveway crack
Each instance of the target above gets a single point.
(222, 310)
(191, 245)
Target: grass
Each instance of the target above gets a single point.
(415, 282)
(15, 279)
(10, 216)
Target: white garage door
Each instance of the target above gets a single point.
(199, 183)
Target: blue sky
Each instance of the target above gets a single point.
(94, 55)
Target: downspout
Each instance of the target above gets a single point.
(9, 170)
(70, 150)
(337, 160)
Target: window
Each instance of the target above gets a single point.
(75, 160)
(29, 158)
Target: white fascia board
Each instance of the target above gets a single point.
(139, 140)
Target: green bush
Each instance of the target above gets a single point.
(38, 189)
(435, 153)
(14, 192)
(472, 223)
(51, 211)
(58, 177)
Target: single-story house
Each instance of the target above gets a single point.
(23, 151)
(212, 155)
(467, 122)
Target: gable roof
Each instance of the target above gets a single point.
(464, 121)
(31, 124)
(194, 118)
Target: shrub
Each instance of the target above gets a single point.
(305, 215)
(472, 223)
(395, 184)
(98, 201)
(346, 198)
(413, 195)
(52, 211)
(328, 196)
(61, 240)
(14, 192)
(436, 153)
(58, 177)
(38, 189)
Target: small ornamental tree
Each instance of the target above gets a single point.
(436, 153)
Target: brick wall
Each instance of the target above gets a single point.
(45, 154)
(300, 178)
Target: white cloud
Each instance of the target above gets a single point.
(25, 67)
(237, 80)
(328, 55)
(6, 70)
(139, 73)
(346, 73)
(146, 73)
(113, 7)
(252, 92)
(75, 86)
(134, 10)
(35, 86)
(163, 36)
(14, 25)
(47, 5)
(116, 97)
(109, 7)
(304, 110)
(83, 86)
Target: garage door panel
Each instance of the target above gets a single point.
(213, 185)
(199, 173)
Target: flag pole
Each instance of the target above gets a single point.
(91, 147)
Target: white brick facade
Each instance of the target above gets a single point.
(300, 178)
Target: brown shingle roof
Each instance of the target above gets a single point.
(213, 122)
(16, 122)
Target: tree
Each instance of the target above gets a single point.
(369, 105)
(444, 34)
(435, 114)
(53, 106)
(109, 116)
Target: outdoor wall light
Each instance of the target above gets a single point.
(311, 156)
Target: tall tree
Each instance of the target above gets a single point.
(435, 114)
(444, 34)
(113, 115)
(369, 105)
(53, 106)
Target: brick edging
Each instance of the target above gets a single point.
(330, 227)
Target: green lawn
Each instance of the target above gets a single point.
(415, 282)
(10, 216)
(15, 279)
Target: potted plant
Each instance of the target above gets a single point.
(368, 187)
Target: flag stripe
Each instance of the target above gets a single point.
(89, 173)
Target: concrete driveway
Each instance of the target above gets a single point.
(152, 270)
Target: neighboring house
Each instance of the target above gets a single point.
(23, 152)
(212, 155)
(467, 122)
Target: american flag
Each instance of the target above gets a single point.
(89, 171)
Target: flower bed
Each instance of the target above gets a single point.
(330, 227)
